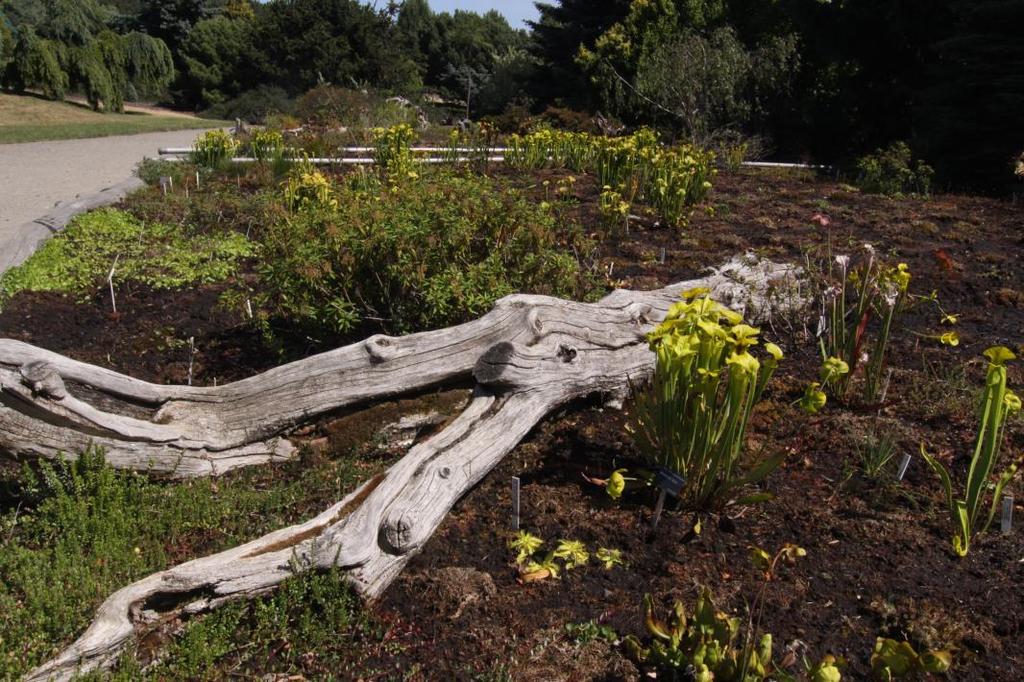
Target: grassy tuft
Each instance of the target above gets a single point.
(72, 533)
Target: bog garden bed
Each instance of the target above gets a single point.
(234, 283)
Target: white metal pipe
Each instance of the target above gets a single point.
(174, 151)
(353, 161)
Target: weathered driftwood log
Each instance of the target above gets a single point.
(528, 356)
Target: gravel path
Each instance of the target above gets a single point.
(34, 176)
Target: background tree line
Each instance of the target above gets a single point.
(821, 79)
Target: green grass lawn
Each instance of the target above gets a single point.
(27, 118)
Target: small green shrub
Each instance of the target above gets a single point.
(439, 252)
(893, 172)
(162, 256)
(693, 419)
(151, 170)
(253, 106)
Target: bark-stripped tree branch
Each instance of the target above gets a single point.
(529, 356)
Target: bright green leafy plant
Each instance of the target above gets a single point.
(162, 256)
(694, 417)
(894, 660)
(609, 558)
(573, 553)
(998, 403)
(525, 544)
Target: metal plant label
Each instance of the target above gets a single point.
(515, 502)
(903, 467)
(669, 481)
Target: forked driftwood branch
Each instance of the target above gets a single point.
(529, 356)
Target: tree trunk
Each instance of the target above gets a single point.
(528, 356)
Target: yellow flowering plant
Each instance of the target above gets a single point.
(307, 188)
(393, 150)
(266, 145)
(213, 149)
(637, 166)
(694, 416)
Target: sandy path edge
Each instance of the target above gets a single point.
(46, 178)
(17, 245)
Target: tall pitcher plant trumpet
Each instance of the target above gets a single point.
(694, 417)
(970, 517)
(859, 293)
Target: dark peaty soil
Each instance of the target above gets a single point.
(878, 559)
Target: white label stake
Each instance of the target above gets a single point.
(658, 508)
(515, 503)
(903, 467)
(1007, 521)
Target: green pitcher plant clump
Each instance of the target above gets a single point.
(213, 149)
(266, 145)
(693, 418)
(707, 642)
(306, 188)
(393, 150)
(855, 295)
(629, 168)
(971, 516)
(895, 660)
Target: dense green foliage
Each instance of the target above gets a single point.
(942, 75)
(67, 45)
(893, 171)
(439, 250)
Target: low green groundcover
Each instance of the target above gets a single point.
(158, 255)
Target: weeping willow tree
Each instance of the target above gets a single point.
(67, 46)
(111, 68)
(35, 64)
